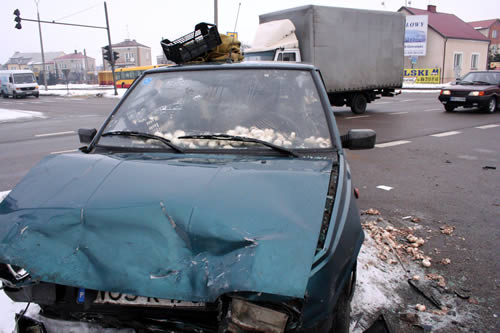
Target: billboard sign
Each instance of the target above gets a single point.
(422, 75)
(416, 35)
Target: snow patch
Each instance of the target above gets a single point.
(3, 194)
(84, 92)
(376, 286)
(7, 115)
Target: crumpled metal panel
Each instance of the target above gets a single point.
(177, 227)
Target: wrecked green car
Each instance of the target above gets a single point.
(215, 198)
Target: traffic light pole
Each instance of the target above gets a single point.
(113, 57)
(42, 71)
(112, 61)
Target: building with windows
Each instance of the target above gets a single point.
(491, 30)
(131, 54)
(453, 46)
(33, 61)
(80, 68)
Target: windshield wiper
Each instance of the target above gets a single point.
(227, 137)
(482, 82)
(145, 136)
(464, 82)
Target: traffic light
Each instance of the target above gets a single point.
(106, 54)
(115, 56)
(17, 19)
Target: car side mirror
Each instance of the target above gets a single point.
(359, 139)
(10, 79)
(86, 135)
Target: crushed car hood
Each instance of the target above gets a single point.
(183, 228)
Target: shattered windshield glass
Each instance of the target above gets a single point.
(281, 107)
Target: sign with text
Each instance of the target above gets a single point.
(416, 35)
(422, 75)
(232, 34)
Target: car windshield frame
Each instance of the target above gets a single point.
(260, 149)
(488, 77)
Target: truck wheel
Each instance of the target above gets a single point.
(358, 103)
(4, 95)
(449, 108)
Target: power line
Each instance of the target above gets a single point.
(78, 12)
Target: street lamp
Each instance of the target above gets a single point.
(42, 71)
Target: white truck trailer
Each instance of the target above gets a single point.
(359, 52)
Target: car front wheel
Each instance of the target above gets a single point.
(492, 105)
(449, 108)
(342, 313)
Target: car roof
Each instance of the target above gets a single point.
(239, 65)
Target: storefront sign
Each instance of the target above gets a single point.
(422, 75)
(416, 35)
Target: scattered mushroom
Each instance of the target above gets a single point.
(420, 307)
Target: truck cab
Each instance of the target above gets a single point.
(280, 54)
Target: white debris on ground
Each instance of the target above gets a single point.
(391, 256)
(376, 285)
(7, 115)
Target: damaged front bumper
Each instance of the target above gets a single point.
(70, 309)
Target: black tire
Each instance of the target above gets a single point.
(4, 95)
(37, 95)
(449, 108)
(492, 105)
(358, 104)
(342, 313)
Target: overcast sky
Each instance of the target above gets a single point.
(148, 21)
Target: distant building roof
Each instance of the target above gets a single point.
(483, 24)
(73, 56)
(448, 25)
(25, 58)
(129, 43)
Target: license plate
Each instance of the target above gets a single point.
(131, 300)
(457, 99)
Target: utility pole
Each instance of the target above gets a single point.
(216, 13)
(112, 62)
(85, 73)
(42, 71)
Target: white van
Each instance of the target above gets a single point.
(18, 83)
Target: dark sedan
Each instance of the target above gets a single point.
(476, 89)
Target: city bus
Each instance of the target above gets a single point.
(125, 76)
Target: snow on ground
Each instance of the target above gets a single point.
(8, 310)
(407, 85)
(3, 194)
(84, 92)
(376, 286)
(74, 86)
(7, 115)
